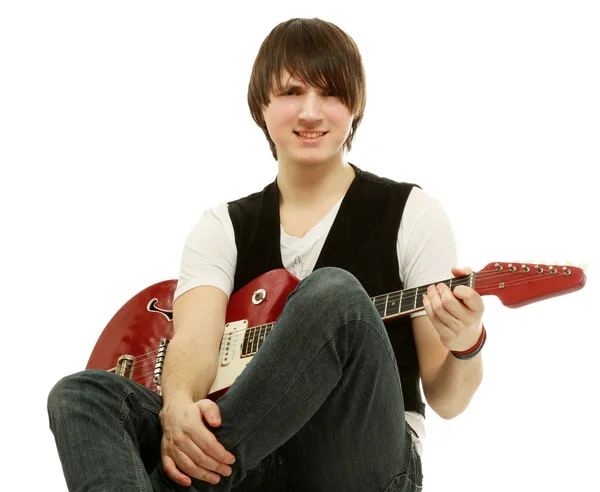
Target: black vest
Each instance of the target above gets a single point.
(362, 240)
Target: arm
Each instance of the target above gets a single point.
(199, 309)
(427, 251)
(448, 383)
(187, 445)
(191, 362)
(189, 448)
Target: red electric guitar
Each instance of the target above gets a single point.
(134, 343)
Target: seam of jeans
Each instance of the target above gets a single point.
(391, 356)
(138, 470)
(124, 413)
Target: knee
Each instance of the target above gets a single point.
(332, 286)
(75, 388)
(333, 280)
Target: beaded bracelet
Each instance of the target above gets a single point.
(474, 350)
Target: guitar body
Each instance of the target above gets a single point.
(134, 342)
(136, 330)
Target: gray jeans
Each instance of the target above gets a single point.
(319, 408)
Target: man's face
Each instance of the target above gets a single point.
(299, 111)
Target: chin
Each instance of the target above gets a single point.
(313, 156)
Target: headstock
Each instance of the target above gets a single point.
(517, 284)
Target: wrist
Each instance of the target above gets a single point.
(474, 350)
(177, 396)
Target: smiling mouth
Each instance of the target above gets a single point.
(310, 134)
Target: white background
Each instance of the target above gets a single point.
(120, 122)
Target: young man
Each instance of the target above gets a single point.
(332, 399)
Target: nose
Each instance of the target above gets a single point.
(311, 107)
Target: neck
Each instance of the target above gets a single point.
(304, 183)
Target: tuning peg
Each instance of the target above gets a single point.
(583, 266)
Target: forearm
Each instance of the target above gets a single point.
(190, 369)
(451, 391)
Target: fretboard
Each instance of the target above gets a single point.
(388, 306)
(254, 338)
(407, 301)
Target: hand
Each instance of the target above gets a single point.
(457, 314)
(188, 446)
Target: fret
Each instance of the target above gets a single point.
(419, 296)
(407, 302)
(387, 298)
(247, 339)
(254, 339)
(261, 337)
(380, 305)
(393, 304)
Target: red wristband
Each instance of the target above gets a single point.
(474, 350)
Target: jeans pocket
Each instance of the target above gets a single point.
(403, 483)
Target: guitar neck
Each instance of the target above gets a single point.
(389, 306)
(403, 302)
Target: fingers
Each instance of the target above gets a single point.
(210, 453)
(173, 472)
(191, 455)
(441, 327)
(211, 413)
(444, 305)
(180, 461)
(189, 448)
(470, 298)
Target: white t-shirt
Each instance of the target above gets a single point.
(426, 251)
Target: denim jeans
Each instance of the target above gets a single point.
(318, 408)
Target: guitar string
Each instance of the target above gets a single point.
(383, 299)
(147, 366)
(234, 338)
(411, 297)
(141, 360)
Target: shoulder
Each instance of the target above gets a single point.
(214, 225)
(421, 202)
(383, 180)
(253, 199)
(427, 247)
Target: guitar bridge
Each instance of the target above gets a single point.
(125, 366)
(158, 365)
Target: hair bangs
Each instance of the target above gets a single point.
(316, 57)
(316, 53)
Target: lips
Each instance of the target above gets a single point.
(311, 134)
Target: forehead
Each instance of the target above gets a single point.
(288, 80)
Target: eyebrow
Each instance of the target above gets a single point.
(295, 87)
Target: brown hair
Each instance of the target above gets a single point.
(317, 52)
